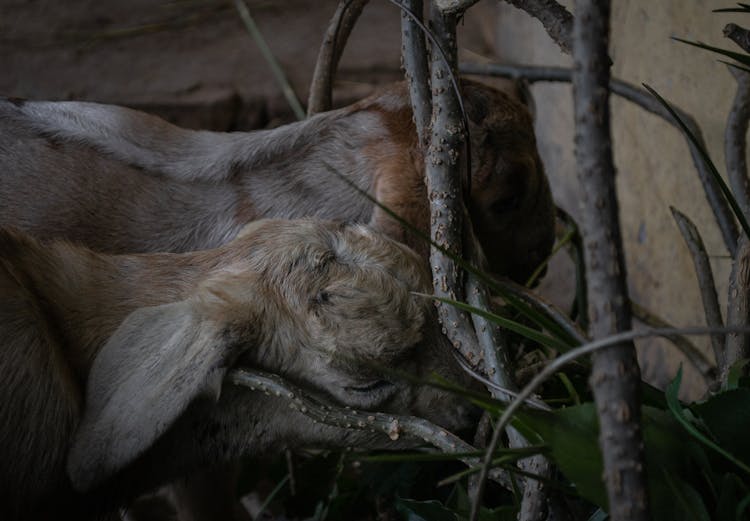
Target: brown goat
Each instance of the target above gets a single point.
(112, 366)
(121, 181)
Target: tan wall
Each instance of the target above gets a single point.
(654, 169)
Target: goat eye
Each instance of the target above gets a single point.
(322, 297)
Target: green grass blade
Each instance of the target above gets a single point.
(742, 58)
(707, 159)
(511, 325)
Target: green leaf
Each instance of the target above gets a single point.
(676, 408)
(572, 434)
(727, 417)
(687, 501)
(731, 492)
(706, 159)
(424, 510)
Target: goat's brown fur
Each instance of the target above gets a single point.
(121, 181)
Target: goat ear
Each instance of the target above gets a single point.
(158, 361)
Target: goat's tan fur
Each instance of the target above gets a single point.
(110, 362)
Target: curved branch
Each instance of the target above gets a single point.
(705, 278)
(640, 97)
(337, 34)
(557, 21)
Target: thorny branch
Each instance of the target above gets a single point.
(705, 276)
(416, 69)
(615, 374)
(719, 205)
(339, 29)
(391, 425)
(557, 21)
(738, 310)
(735, 147)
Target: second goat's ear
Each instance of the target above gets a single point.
(158, 361)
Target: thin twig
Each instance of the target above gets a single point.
(334, 41)
(557, 21)
(738, 35)
(278, 73)
(615, 374)
(391, 425)
(719, 205)
(686, 347)
(705, 278)
(738, 311)
(416, 68)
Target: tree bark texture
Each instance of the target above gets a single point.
(615, 376)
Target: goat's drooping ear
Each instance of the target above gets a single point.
(158, 361)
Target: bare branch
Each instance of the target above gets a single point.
(557, 21)
(738, 35)
(615, 374)
(334, 41)
(686, 347)
(705, 278)
(442, 171)
(734, 140)
(738, 311)
(414, 60)
(391, 425)
(719, 205)
(454, 7)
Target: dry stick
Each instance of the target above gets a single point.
(557, 21)
(615, 374)
(334, 41)
(719, 205)
(416, 69)
(446, 206)
(393, 426)
(738, 310)
(738, 35)
(705, 278)
(444, 189)
(738, 303)
(686, 347)
(734, 140)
